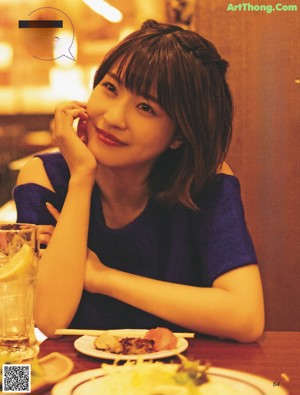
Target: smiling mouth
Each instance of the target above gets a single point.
(108, 138)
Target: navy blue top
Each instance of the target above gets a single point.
(174, 244)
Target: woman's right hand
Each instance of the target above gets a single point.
(80, 159)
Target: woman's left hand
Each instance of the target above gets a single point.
(45, 234)
(79, 158)
(46, 231)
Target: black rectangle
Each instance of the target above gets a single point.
(40, 24)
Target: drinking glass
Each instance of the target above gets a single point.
(18, 274)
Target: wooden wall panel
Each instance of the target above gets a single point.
(264, 54)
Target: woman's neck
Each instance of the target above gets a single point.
(124, 195)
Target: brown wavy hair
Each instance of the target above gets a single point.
(187, 75)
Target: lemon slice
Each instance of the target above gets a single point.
(19, 264)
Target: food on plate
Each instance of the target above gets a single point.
(150, 378)
(163, 338)
(157, 378)
(136, 345)
(155, 340)
(107, 342)
(125, 346)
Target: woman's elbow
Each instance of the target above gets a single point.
(251, 335)
(47, 325)
(251, 328)
(47, 329)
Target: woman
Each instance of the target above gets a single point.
(150, 226)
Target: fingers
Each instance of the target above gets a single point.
(81, 130)
(73, 147)
(71, 105)
(52, 210)
(44, 238)
(65, 114)
(45, 234)
(46, 231)
(72, 110)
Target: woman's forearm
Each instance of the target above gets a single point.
(62, 267)
(213, 311)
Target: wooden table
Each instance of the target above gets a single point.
(275, 354)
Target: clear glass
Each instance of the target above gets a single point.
(18, 274)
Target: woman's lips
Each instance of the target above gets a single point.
(108, 138)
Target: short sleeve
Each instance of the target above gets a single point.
(31, 198)
(221, 233)
(31, 201)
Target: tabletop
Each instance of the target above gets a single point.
(276, 356)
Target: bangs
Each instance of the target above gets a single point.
(140, 76)
(143, 69)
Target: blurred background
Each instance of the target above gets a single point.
(263, 47)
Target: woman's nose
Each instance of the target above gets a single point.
(115, 115)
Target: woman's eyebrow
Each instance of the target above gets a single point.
(152, 98)
(114, 76)
(120, 82)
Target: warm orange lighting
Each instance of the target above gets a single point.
(104, 9)
(124, 32)
(6, 55)
(67, 84)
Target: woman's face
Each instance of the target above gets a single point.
(124, 129)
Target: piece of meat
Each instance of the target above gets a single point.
(108, 342)
(136, 345)
(163, 339)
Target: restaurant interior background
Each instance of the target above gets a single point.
(264, 54)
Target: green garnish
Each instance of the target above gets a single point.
(191, 370)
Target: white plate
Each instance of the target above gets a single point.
(85, 345)
(89, 382)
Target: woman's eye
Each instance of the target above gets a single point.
(145, 107)
(109, 86)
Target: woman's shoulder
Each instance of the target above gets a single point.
(225, 169)
(47, 170)
(54, 157)
(223, 187)
(221, 197)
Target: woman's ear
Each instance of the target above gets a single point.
(176, 143)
